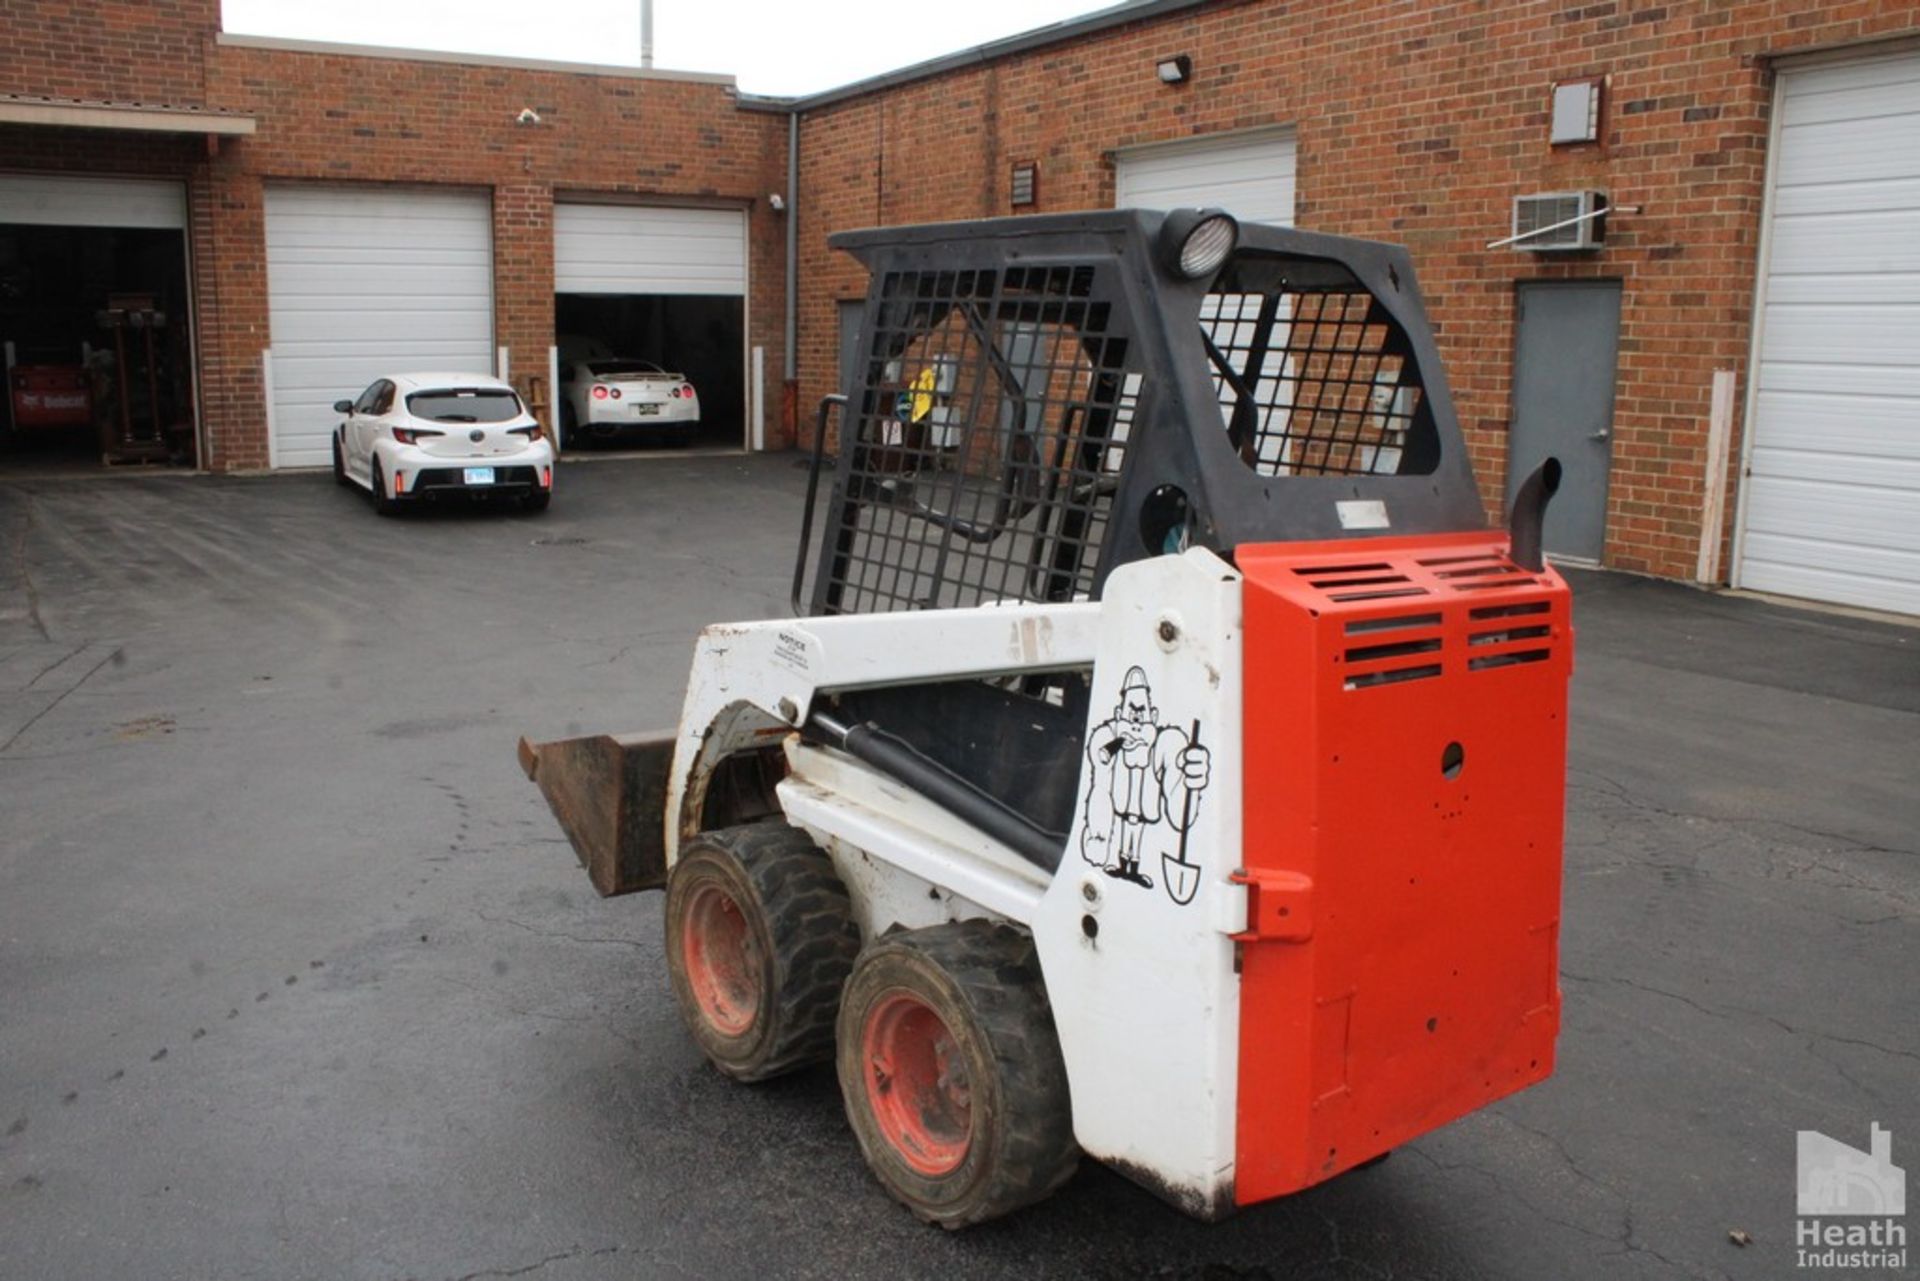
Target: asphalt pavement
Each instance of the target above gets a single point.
(299, 979)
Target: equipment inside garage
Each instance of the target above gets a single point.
(94, 322)
(665, 284)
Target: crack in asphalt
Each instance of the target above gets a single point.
(1811, 1039)
(1626, 1237)
(1648, 988)
(1622, 793)
(556, 934)
(55, 663)
(37, 716)
(578, 1252)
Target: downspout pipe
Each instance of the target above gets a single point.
(790, 400)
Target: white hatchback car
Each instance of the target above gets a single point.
(606, 396)
(416, 436)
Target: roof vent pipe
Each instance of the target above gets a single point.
(646, 34)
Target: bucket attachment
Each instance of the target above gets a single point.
(609, 792)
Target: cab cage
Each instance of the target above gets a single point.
(1038, 400)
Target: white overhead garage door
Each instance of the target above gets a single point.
(637, 249)
(1831, 507)
(1250, 175)
(370, 281)
(44, 201)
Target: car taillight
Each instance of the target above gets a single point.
(599, 392)
(414, 435)
(533, 433)
(614, 392)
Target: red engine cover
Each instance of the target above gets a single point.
(1405, 763)
(50, 396)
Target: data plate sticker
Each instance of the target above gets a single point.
(1363, 513)
(479, 475)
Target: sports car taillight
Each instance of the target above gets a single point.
(599, 391)
(686, 389)
(414, 435)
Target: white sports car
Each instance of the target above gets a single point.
(605, 396)
(417, 436)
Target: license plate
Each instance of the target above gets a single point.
(641, 411)
(479, 475)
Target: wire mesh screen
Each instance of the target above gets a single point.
(988, 427)
(1314, 382)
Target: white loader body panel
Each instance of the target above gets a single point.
(1132, 929)
(1148, 1008)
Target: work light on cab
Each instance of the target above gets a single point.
(1195, 242)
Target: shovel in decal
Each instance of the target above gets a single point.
(1183, 878)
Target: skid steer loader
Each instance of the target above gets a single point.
(1165, 762)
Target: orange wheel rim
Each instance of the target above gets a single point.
(722, 961)
(917, 1083)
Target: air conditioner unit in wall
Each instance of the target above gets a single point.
(1560, 221)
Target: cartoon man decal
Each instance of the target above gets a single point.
(1141, 774)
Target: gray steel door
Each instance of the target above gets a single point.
(1566, 345)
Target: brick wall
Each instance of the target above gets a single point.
(121, 50)
(347, 119)
(1415, 123)
(334, 117)
(1418, 124)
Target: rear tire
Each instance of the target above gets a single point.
(382, 504)
(537, 501)
(760, 940)
(339, 463)
(951, 1072)
(569, 427)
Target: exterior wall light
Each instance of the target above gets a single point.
(1174, 70)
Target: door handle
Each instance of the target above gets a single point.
(1605, 433)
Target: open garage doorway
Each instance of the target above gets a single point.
(702, 339)
(95, 323)
(650, 319)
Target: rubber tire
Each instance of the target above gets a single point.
(382, 504)
(569, 427)
(339, 463)
(984, 982)
(681, 437)
(536, 502)
(801, 922)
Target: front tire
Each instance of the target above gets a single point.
(760, 939)
(339, 463)
(951, 1072)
